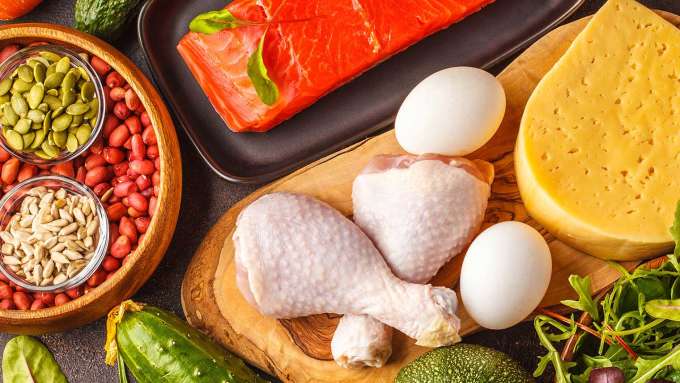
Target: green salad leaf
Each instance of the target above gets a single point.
(585, 299)
(257, 72)
(215, 21)
(26, 360)
(647, 369)
(675, 233)
(664, 309)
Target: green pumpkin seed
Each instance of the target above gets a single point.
(47, 124)
(43, 107)
(36, 126)
(5, 86)
(94, 109)
(42, 155)
(28, 139)
(83, 74)
(21, 86)
(77, 121)
(77, 109)
(19, 105)
(76, 73)
(53, 102)
(14, 140)
(25, 73)
(33, 61)
(50, 138)
(4, 99)
(23, 126)
(83, 133)
(50, 151)
(9, 116)
(51, 69)
(50, 56)
(68, 97)
(36, 95)
(62, 122)
(69, 81)
(58, 112)
(72, 143)
(54, 80)
(39, 72)
(36, 116)
(38, 139)
(87, 91)
(53, 92)
(63, 65)
(59, 138)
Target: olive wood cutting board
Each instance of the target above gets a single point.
(299, 350)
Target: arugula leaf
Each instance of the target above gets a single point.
(561, 367)
(25, 359)
(647, 368)
(664, 309)
(215, 21)
(585, 299)
(257, 72)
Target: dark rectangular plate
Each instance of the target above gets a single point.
(355, 111)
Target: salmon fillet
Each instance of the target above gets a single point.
(311, 48)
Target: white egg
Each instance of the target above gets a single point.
(505, 274)
(452, 112)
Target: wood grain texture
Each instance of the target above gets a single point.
(298, 350)
(142, 263)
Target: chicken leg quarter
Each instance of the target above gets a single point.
(297, 256)
(420, 212)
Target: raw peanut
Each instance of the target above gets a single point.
(9, 172)
(115, 80)
(94, 161)
(47, 298)
(74, 292)
(97, 146)
(145, 167)
(108, 102)
(114, 199)
(80, 174)
(125, 202)
(6, 291)
(147, 193)
(101, 188)
(132, 100)
(7, 51)
(124, 189)
(110, 124)
(152, 205)
(22, 300)
(152, 151)
(116, 211)
(96, 175)
(138, 202)
(121, 247)
(113, 155)
(134, 125)
(121, 168)
(117, 94)
(119, 136)
(110, 264)
(149, 136)
(156, 178)
(123, 178)
(20, 289)
(121, 110)
(142, 224)
(4, 156)
(27, 171)
(100, 66)
(61, 299)
(134, 213)
(7, 304)
(138, 147)
(157, 163)
(128, 144)
(64, 169)
(144, 117)
(156, 190)
(3, 278)
(37, 305)
(143, 182)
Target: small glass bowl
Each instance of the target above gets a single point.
(21, 57)
(11, 202)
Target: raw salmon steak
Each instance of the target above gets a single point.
(310, 48)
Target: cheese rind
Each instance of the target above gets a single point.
(598, 152)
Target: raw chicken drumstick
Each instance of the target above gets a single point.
(297, 256)
(420, 212)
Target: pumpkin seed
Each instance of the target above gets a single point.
(50, 150)
(62, 122)
(36, 95)
(28, 139)
(23, 126)
(87, 91)
(63, 65)
(39, 72)
(77, 109)
(25, 73)
(5, 86)
(43, 107)
(9, 116)
(69, 81)
(53, 92)
(53, 102)
(50, 56)
(83, 133)
(38, 139)
(72, 143)
(53, 80)
(59, 138)
(37, 117)
(19, 105)
(68, 97)
(14, 140)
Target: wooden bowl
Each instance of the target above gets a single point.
(142, 263)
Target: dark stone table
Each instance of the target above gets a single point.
(206, 197)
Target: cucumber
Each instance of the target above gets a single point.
(158, 347)
(104, 18)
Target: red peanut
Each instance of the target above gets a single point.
(121, 168)
(116, 211)
(145, 167)
(138, 147)
(121, 247)
(47, 298)
(143, 182)
(113, 155)
(142, 224)
(138, 202)
(134, 125)
(5, 291)
(7, 304)
(27, 171)
(74, 292)
(61, 299)
(115, 80)
(97, 278)
(10, 170)
(100, 66)
(117, 94)
(110, 124)
(119, 136)
(132, 100)
(149, 136)
(94, 161)
(22, 300)
(7, 51)
(101, 188)
(121, 110)
(96, 175)
(4, 156)
(37, 305)
(110, 264)
(152, 206)
(63, 169)
(124, 189)
(146, 121)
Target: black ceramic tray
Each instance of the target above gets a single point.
(355, 111)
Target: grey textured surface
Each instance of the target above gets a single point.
(206, 197)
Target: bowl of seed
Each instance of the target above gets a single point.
(51, 101)
(54, 234)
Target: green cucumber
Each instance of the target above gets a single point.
(104, 18)
(158, 347)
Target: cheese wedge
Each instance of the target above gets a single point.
(598, 153)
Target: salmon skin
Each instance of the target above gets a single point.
(311, 48)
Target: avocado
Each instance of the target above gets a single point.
(104, 18)
(463, 363)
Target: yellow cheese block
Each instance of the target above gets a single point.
(598, 152)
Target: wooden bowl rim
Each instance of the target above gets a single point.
(163, 126)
